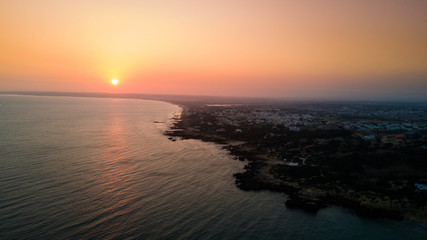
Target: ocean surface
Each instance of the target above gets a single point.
(88, 168)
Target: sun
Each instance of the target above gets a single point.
(114, 81)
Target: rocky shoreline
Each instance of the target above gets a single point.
(311, 198)
(263, 173)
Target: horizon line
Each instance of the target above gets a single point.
(156, 96)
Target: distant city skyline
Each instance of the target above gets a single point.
(373, 50)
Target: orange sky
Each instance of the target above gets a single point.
(276, 48)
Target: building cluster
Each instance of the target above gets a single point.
(243, 116)
(358, 118)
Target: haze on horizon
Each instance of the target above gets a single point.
(273, 48)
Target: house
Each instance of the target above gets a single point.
(420, 187)
(368, 137)
(294, 128)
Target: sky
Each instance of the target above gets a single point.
(312, 49)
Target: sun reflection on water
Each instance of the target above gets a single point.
(114, 178)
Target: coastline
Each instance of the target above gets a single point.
(261, 173)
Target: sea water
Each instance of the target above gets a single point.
(89, 168)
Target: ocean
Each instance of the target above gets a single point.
(100, 168)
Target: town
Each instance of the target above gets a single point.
(370, 157)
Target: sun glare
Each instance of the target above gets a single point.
(114, 81)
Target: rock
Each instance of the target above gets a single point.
(307, 201)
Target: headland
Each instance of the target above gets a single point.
(368, 157)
